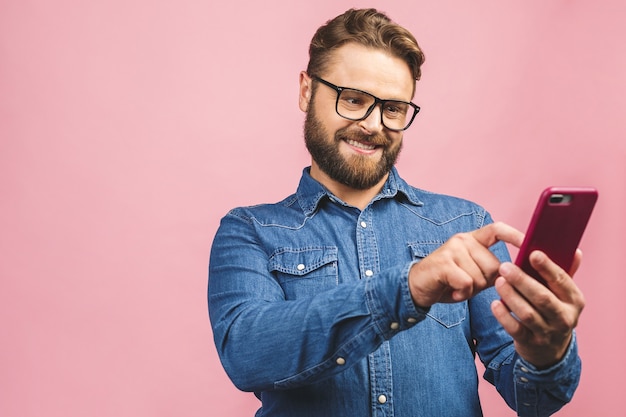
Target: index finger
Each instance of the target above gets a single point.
(498, 231)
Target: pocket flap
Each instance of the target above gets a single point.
(423, 249)
(301, 261)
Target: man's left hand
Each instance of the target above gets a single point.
(540, 318)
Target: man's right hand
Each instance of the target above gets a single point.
(461, 267)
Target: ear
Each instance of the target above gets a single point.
(306, 90)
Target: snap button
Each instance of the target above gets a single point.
(369, 273)
(382, 398)
(523, 379)
(394, 326)
(363, 225)
(524, 369)
(340, 361)
(300, 267)
(412, 320)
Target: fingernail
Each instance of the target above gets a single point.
(538, 256)
(506, 268)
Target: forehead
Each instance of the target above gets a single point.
(371, 69)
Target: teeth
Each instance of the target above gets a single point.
(360, 145)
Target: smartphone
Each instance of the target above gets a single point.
(557, 226)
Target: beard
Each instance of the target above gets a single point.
(357, 171)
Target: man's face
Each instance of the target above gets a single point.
(357, 154)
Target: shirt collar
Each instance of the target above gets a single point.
(311, 192)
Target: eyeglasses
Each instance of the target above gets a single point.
(353, 104)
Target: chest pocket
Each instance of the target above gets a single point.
(303, 272)
(447, 315)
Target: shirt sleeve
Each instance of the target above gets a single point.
(532, 392)
(543, 392)
(266, 342)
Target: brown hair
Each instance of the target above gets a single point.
(367, 27)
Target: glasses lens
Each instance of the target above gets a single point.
(397, 114)
(355, 104)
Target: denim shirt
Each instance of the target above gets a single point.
(311, 310)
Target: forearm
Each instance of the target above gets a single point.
(266, 342)
(262, 343)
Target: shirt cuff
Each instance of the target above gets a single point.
(560, 381)
(390, 302)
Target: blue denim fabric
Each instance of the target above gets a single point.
(310, 308)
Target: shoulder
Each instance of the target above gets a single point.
(285, 211)
(441, 208)
(426, 201)
(434, 200)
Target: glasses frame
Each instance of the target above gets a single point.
(377, 101)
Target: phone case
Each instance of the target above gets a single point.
(557, 226)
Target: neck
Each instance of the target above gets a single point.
(352, 196)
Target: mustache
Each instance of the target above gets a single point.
(377, 139)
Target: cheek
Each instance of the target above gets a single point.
(327, 116)
(395, 138)
(337, 127)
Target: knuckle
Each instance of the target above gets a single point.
(572, 322)
(459, 238)
(543, 300)
(578, 300)
(498, 224)
(560, 276)
(566, 321)
(461, 281)
(526, 316)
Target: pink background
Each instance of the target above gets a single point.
(129, 128)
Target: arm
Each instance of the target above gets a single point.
(266, 342)
(525, 388)
(541, 320)
(533, 360)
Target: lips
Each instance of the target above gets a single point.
(361, 145)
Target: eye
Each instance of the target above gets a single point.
(353, 99)
(394, 109)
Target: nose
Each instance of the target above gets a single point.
(373, 123)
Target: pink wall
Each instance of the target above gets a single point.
(128, 128)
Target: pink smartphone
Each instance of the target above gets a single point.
(557, 226)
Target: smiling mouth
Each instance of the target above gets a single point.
(361, 145)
